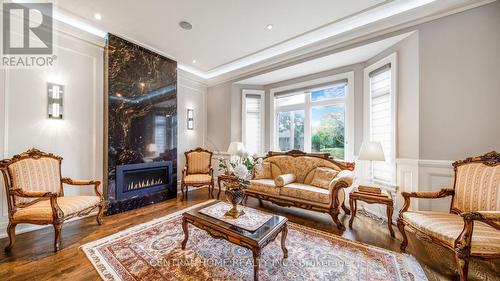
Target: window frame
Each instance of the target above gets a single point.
(349, 110)
(392, 60)
(261, 93)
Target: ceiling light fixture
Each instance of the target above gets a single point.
(269, 26)
(97, 16)
(185, 25)
(194, 61)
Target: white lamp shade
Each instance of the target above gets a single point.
(235, 148)
(371, 150)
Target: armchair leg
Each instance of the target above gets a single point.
(57, 236)
(182, 191)
(401, 227)
(335, 216)
(100, 214)
(463, 265)
(11, 231)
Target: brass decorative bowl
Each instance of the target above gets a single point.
(234, 195)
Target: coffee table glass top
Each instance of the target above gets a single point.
(274, 222)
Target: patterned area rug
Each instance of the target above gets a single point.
(152, 251)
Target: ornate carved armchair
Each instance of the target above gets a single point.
(198, 171)
(472, 227)
(35, 193)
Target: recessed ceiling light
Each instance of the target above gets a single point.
(185, 25)
(97, 16)
(142, 84)
(269, 26)
(194, 61)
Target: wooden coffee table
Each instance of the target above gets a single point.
(255, 240)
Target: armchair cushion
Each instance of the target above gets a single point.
(198, 162)
(447, 227)
(477, 188)
(41, 174)
(323, 177)
(197, 178)
(42, 211)
(306, 192)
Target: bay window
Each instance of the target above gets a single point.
(253, 126)
(314, 117)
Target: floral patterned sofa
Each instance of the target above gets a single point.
(310, 181)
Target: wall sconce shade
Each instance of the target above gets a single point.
(190, 119)
(55, 94)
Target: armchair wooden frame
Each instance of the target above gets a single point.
(58, 217)
(210, 184)
(334, 207)
(462, 245)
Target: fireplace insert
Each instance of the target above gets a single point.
(135, 180)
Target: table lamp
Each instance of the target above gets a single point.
(371, 151)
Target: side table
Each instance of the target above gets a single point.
(383, 198)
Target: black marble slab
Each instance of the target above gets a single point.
(141, 111)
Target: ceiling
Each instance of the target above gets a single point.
(336, 60)
(229, 38)
(223, 30)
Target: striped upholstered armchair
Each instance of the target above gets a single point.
(198, 171)
(472, 227)
(35, 193)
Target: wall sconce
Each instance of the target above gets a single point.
(190, 119)
(55, 100)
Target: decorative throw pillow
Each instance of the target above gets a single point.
(323, 176)
(283, 180)
(262, 171)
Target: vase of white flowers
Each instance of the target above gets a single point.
(235, 189)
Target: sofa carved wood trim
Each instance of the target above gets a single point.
(35, 198)
(462, 244)
(185, 173)
(333, 209)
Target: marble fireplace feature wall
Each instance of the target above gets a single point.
(141, 127)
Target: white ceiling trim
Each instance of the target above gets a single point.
(342, 26)
(365, 18)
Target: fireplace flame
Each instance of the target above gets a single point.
(144, 183)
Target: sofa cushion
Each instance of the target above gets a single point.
(323, 177)
(282, 180)
(42, 211)
(300, 166)
(265, 186)
(263, 171)
(306, 192)
(197, 178)
(447, 227)
(275, 171)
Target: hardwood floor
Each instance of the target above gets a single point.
(32, 257)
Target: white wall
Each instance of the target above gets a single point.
(192, 95)
(78, 137)
(460, 84)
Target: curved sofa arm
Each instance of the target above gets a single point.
(425, 194)
(344, 179)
